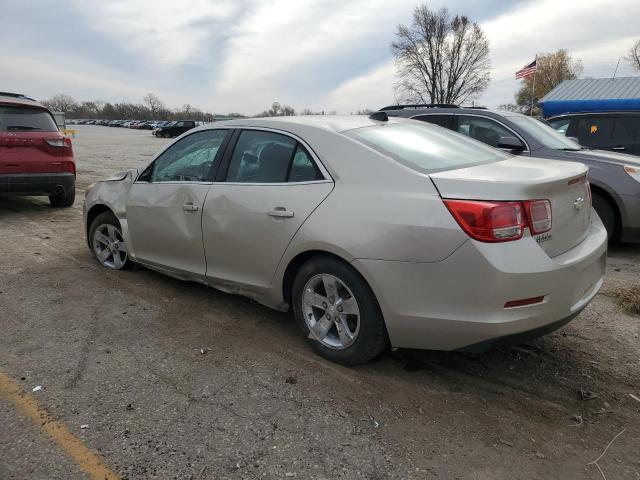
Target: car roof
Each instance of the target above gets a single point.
(335, 123)
(19, 99)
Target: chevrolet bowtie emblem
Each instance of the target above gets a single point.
(578, 203)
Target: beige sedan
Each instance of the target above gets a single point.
(376, 231)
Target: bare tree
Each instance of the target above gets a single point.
(60, 103)
(634, 55)
(552, 69)
(441, 58)
(277, 110)
(154, 103)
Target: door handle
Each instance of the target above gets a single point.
(618, 148)
(281, 212)
(190, 207)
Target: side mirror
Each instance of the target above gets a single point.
(510, 143)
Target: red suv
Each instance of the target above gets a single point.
(35, 158)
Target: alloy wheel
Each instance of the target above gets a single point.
(109, 246)
(331, 311)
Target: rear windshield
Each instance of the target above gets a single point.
(25, 119)
(425, 147)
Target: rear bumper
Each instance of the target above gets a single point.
(36, 183)
(459, 303)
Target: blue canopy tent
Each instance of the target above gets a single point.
(592, 95)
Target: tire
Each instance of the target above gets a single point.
(65, 199)
(166, 135)
(366, 331)
(607, 214)
(111, 250)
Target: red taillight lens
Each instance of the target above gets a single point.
(489, 221)
(539, 215)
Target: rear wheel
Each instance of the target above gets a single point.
(337, 312)
(107, 242)
(64, 199)
(607, 214)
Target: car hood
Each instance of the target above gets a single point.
(598, 156)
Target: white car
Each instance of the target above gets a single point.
(375, 231)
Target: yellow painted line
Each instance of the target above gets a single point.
(88, 460)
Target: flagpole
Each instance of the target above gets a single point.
(533, 88)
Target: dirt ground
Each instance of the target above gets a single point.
(120, 352)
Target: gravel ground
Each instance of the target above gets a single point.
(121, 352)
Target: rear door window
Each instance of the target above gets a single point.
(621, 134)
(595, 132)
(25, 119)
(261, 157)
(633, 126)
(445, 121)
(483, 129)
(303, 168)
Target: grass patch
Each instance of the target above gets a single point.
(628, 298)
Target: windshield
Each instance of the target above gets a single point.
(425, 147)
(26, 119)
(544, 134)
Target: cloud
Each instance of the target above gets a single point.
(170, 33)
(241, 55)
(598, 32)
(371, 90)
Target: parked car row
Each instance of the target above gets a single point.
(159, 128)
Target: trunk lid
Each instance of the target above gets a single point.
(517, 179)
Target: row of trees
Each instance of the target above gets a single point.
(152, 108)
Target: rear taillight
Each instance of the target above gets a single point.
(55, 142)
(539, 215)
(58, 142)
(489, 221)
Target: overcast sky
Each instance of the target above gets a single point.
(241, 55)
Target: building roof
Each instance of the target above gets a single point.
(595, 89)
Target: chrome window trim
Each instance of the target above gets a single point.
(515, 134)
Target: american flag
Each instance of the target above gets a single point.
(526, 71)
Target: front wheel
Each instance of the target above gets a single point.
(338, 312)
(107, 242)
(166, 135)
